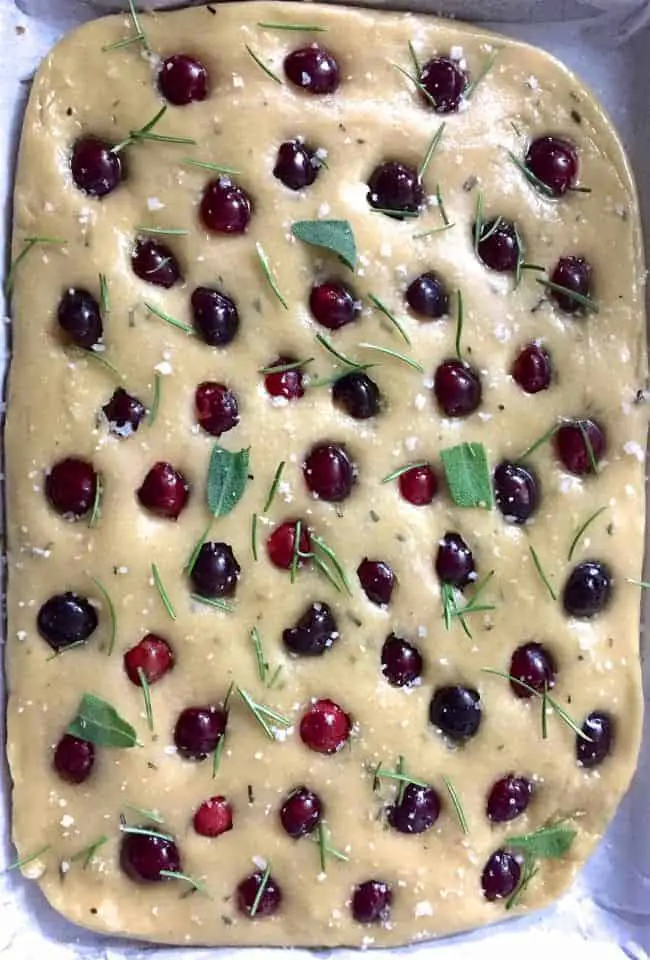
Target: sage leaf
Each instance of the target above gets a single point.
(468, 475)
(546, 843)
(99, 723)
(333, 235)
(227, 479)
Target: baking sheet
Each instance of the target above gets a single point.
(607, 914)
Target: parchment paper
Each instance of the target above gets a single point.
(607, 914)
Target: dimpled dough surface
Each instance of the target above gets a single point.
(55, 396)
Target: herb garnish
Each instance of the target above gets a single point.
(260, 890)
(430, 233)
(216, 756)
(328, 563)
(396, 214)
(196, 549)
(260, 63)
(17, 864)
(530, 870)
(341, 357)
(227, 479)
(263, 713)
(540, 570)
(162, 231)
(460, 321)
(195, 885)
(215, 602)
(268, 274)
(545, 843)
(390, 316)
(545, 699)
(468, 475)
(485, 69)
(274, 485)
(286, 367)
(89, 852)
(144, 133)
(146, 693)
(431, 149)
(441, 207)
(638, 583)
(457, 805)
(155, 400)
(333, 235)
(398, 775)
(581, 530)
(306, 27)
(540, 441)
(325, 848)
(404, 469)
(111, 612)
(585, 302)
(29, 244)
(164, 596)
(104, 301)
(530, 176)
(450, 608)
(138, 37)
(254, 536)
(152, 815)
(144, 832)
(96, 509)
(263, 667)
(586, 439)
(415, 79)
(409, 361)
(99, 723)
(168, 319)
(99, 358)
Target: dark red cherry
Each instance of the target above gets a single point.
(74, 758)
(500, 875)
(445, 82)
(357, 394)
(301, 812)
(532, 368)
(152, 655)
(457, 388)
(508, 798)
(397, 188)
(216, 408)
(377, 581)
(454, 561)
(124, 413)
(588, 589)
(427, 296)
(312, 69)
(164, 491)
(215, 572)
(417, 811)
(296, 165)
(574, 274)
(498, 246)
(71, 486)
(214, 316)
(515, 492)
(79, 317)
(213, 817)
(579, 444)
(401, 661)
(554, 162)
(225, 207)
(329, 472)
(599, 727)
(154, 263)
(96, 169)
(314, 633)
(249, 901)
(285, 383)
(182, 79)
(325, 726)
(456, 711)
(333, 305)
(148, 857)
(198, 730)
(371, 902)
(418, 485)
(534, 665)
(66, 619)
(281, 544)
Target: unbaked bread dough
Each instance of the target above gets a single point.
(56, 395)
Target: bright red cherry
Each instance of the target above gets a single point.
(284, 383)
(183, 79)
(325, 727)
(216, 408)
(418, 485)
(281, 544)
(152, 655)
(213, 817)
(225, 207)
(164, 491)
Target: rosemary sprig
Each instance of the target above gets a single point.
(540, 441)
(396, 214)
(96, 509)
(196, 549)
(457, 805)
(586, 439)
(383, 309)
(195, 885)
(216, 756)
(17, 864)
(98, 357)
(254, 536)
(450, 608)
(144, 133)
(286, 367)
(401, 470)
(268, 274)
(431, 233)
(546, 701)
(215, 602)
(540, 570)
(341, 357)
(414, 59)
(29, 244)
(260, 63)
(297, 553)
(164, 596)
(138, 37)
(305, 27)
(146, 693)
(460, 320)
(529, 175)
(144, 832)
(260, 890)
(262, 664)
(431, 149)
(104, 301)
(62, 650)
(470, 89)
(111, 612)
(208, 165)
(162, 231)
(386, 351)
(416, 83)
(155, 400)
(645, 584)
(336, 574)
(581, 530)
(325, 849)
(263, 713)
(274, 485)
(478, 220)
(530, 870)
(88, 852)
(398, 776)
(170, 320)
(585, 302)
(152, 815)
(441, 207)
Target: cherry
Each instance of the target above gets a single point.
(152, 655)
(456, 711)
(96, 169)
(457, 388)
(312, 69)
(213, 817)
(164, 491)
(214, 316)
(371, 901)
(250, 903)
(147, 857)
(500, 875)
(281, 544)
(285, 383)
(454, 561)
(515, 492)
(579, 444)
(66, 619)
(508, 798)
(216, 408)
(325, 726)
(418, 485)
(155, 263)
(225, 207)
(534, 665)
(397, 188)
(427, 296)
(301, 812)
(554, 162)
(79, 317)
(71, 486)
(182, 79)
(314, 633)
(599, 727)
(574, 274)
(498, 246)
(329, 472)
(198, 731)
(215, 572)
(357, 395)
(587, 591)
(124, 413)
(445, 82)
(401, 661)
(417, 811)
(333, 305)
(532, 368)
(296, 165)
(377, 581)
(74, 758)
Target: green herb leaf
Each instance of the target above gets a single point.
(208, 165)
(581, 530)
(431, 233)
(542, 575)
(215, 602)
(104, 302)
(468, 475)
(96, 509)
(155, 401)
(546, 843)
(450, 608)
(137, 26)
(579, 298)
(389, 316)
(409, 361)
(17, 864)
(262, 665)
(144, 133)
(470, 89)
(163, 231)
(254, 536)
(195, 885)
(416, 82)
(262, 713)
(268, 273)
(146, 693)
(99, 723)
(545, 699)
(540, 441)
(457, 805)
(145, 812)
(227, 479)
(529, 872)
(333, 235)
(196, 549)
(260, 63)
(341, 357)
(98, 357)
(325, 849)
(286, 367)
(162, 593)
(88, 852)
(431, 149)
(399, 777)
(401, 470)
(586, 439)
(274, 485)
(111, 611)
(304, 27)
(460, 321)
(29, 244)
(644, 584)
(441, 207)
(328, 563)
(260, 890)
(171, 320)
(144, 832)
(216, 756)
(539, 185)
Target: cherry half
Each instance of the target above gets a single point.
(79, 317)
(599, 727)
(214, 316)
(183, 79)
(301, 812)
(396, 189)
(498, 245)
(314, 633)
(216, 408)
(377, 581)
(580, 445)
(225, 207)
(288, 384)
(554, 161)
(198, 731)
(418, 485)
(357, 394)
(455, 561)
(401, 661)
(574, 275)
(152, 656)
(515, 492)
(456, 712)
(96, 168)
(508, 798)
(213, 817)
(417, 811)
(74, 758)
(325, 727)
(427, 296)
(312, 69)
(66, 619)
(124, 413)
(534, 665)
(296, 165)
(249, 901)
(587, 590)
(155, 263)
(371, 902)
(457, 388)
(146, 857)
(329, 472)
(333, 305)
(164, 491)
(444, 82)
(281, 544)
(71, 487)
(532, 368)
(500, 875)
(216, 571)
